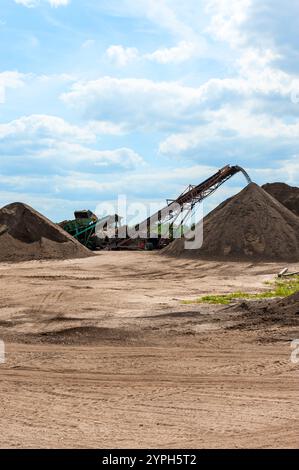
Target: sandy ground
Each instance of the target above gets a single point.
(101, 352)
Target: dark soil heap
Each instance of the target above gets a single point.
(250, 225)
(285, 194)
(274, 313)
(25, 234)
(287, 306)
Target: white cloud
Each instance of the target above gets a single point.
(233, 131)
(167, 14)
(35, 3)
(45, 126)
(121, 56)
(180, 53)
(227, 18)
(246, 107)
(134, 102)
(139, 183)
(58, 3)
(106, 128)
(285, 170)
(267, 24)
(236, 116)
(157, 105)
(74, 153)
(27, 3)
(10, 80)
(50, 140)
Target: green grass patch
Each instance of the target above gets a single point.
(279, 288)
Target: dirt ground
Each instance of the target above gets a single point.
(102, 352)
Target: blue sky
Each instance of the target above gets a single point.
(143, 97)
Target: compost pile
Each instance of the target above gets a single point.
(250, 225)
(25, 234)
(285, 194)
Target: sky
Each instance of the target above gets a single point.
(144, 97)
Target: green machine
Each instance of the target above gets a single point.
(82, 227)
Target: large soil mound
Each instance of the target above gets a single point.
(250, 225)
(285, 194)
(25, 234)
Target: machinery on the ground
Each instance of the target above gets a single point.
(94, 233)
(89, 230)
(182, 207)
(82, 227)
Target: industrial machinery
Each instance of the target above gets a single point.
(89, 230)
(82, 227)
(94, 234)
(182, 207)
